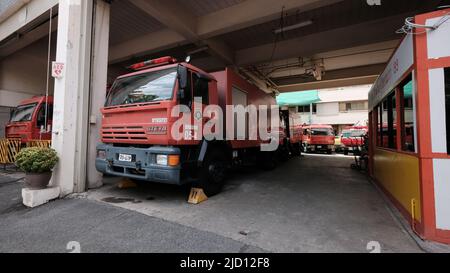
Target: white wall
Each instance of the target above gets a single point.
(26, 70)
(12, 99)
(348, 118)
(352, 93)
(328, 107)
(4, 118)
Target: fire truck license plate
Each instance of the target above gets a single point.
(124, 157)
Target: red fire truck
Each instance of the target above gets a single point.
(137, 140)
(352, 138)
(318, 137)
(31, 120)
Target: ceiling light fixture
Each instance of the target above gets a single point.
(292, 27)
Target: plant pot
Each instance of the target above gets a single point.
(37, 180)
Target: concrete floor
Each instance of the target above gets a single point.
(315, 203)
(97, 227)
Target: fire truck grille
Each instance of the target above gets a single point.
(124, 133)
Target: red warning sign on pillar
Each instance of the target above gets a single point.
(57, 70)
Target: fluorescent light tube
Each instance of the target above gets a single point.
(292, 27)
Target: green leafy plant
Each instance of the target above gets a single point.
(36, 159)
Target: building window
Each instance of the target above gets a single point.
(392, 125)
(304, 109)
(407, 115)
(380, 125)
(387, 118)
(307, 108)
(353, 106)
(384, 124)
(447, 105)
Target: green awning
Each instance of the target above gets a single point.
(408, 89)
(301, 98)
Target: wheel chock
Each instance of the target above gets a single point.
(197, 196)
(126, 183)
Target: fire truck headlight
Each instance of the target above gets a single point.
(101, 154)
(161, 160)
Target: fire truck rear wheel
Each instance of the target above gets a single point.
(212, 174)
(296, 149)
(268, 160)
(283, 153)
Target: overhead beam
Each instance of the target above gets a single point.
(27, 39)
(337, 78)
(11, 8)
(169, 13)
(360, 71)
(145, 44)
(25, 15)
(220, 50)
(378, 53)
(201, 30)
(180, 21)
(344, 37)
(252, 12)
(328, 84)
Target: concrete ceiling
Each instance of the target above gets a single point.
(349, 39)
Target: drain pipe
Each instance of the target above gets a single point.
(413, 218)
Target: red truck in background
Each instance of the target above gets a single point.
(31, 120)
(352, 138)
(318, 138)
(137, 123)
(290, 133)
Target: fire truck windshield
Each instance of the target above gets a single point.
(23, 112)
(146, 87)
(321, 132)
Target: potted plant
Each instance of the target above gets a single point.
(37, 163)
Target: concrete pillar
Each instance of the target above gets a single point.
(71, 95)
(98, 86)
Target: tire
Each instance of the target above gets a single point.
(268, 161)
(329, 152)
(283, 153)
(296, 150)
(345, 152)
(212, 173)
(305, 148)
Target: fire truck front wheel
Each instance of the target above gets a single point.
(212, 173)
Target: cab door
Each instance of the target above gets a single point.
(43, 122)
